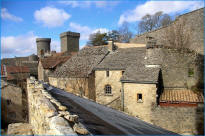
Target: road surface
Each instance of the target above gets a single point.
(102, 120)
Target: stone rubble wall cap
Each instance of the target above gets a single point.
(69, 33)
(43, 39)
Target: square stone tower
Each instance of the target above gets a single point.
(69, 41)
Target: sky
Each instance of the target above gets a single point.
(23, 21)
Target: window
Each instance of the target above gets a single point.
(108, 90)
(190, 72)
(8, 102)
(139, 97)
(107, 73)
(123, 72)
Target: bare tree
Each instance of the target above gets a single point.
(152, 22)
(125, 33)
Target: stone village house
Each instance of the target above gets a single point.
(147, 80)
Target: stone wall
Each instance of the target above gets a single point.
(114, 81)
(83, 87)
(43, 73)
(11, 102)
(47, 116)
(140, 109)
(182, 120)
(194, 22)
(175, 66)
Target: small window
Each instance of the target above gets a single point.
(139, 97)
(190, 72)
(107, 73)
(108, 90)
(8, 102)
(123, 72)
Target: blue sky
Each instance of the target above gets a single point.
(23, 21)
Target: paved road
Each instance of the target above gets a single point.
(101, 120)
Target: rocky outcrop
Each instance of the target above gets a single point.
(48, 116)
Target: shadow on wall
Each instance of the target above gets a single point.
(11, 113)
(200, 119)
(160, 86)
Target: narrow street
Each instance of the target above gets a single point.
(101, 120)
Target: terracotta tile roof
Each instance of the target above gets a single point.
(12, 72)
(56, 59)
(186, 96)
(17, 69)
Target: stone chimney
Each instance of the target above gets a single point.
(112, 44)
(69, 41)
(151, 43)
(43, 46)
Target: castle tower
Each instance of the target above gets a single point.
(69, 41)
(43, 46)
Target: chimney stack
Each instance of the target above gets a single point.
(111, 45)
(69, 41)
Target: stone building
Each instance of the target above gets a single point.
(48, 65)
(49, 61)
(147, 78)
(69, 41)
(11, 104)
(77, 75)
(109, 72)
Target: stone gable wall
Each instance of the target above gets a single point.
(114, 81)
(142, 109)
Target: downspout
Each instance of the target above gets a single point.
(122, 99)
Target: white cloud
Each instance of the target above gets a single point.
(51, 17)
(101, 30)
(85, 31)
(87, 4)
(154, 6)
(23, 45)
(55, 46)
(18, 45)
(6, 15)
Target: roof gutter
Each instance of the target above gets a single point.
(139, 82)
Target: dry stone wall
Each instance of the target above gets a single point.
(48, 116)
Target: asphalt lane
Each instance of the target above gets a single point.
(102, 120)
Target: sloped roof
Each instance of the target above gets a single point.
(55, 60)
(17, 69)
(122, 58)
(138, 73)
(15, 72)
(52, 62)
(174, 96)
(82, 64)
